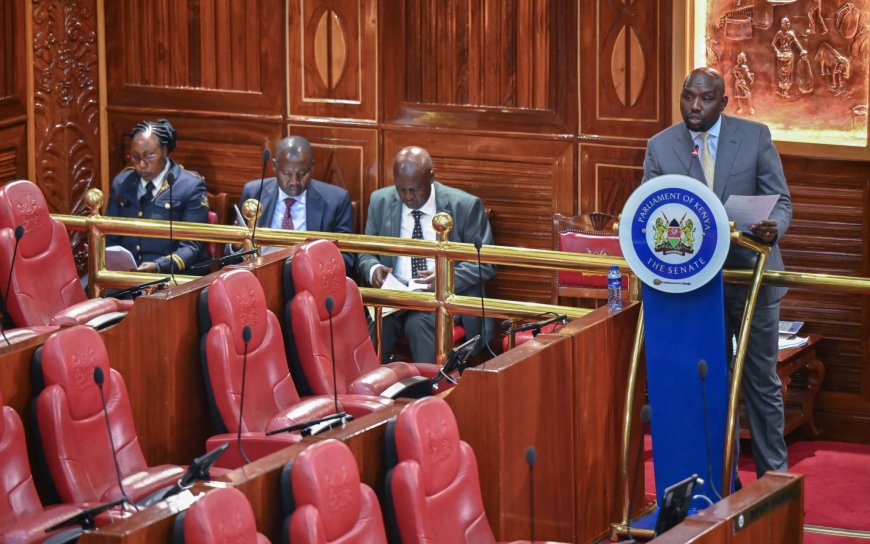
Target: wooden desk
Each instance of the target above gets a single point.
(769, 510)
(799, 402)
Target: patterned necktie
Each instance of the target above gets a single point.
(148, 196)
(418, 264)
(707, 163)
(287, 220)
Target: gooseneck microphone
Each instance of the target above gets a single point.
(246, 337)
(330, 304)
(695, 152)
(483, 338)
(535, 326)
(702, 373)
(170, 180)
(645, 415)
(99, 377)
(259, 196)
(531, 459)
(19, 234)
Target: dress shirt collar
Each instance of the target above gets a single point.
(429, 208)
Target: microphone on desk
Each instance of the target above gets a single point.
(19, 234)
(695, 152)
(99, 378)
(330, 304)
(536, 326)
(136, 290)
(702, 374)
(259, 196)
(232, 258)
(305, 425)
(531, 459)
(170, 180)
(483, 338)
(246, 338)
(645, 416)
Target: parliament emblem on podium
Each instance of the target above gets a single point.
(674, 233)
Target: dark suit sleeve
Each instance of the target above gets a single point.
(195, 210)
(344, 224)
(771, 181)
(651, 167)
(366, 261)
(475, 223)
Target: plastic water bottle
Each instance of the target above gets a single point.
(614, 288)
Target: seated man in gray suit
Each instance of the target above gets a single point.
(737, 157)
(292, 200)
(406, 211)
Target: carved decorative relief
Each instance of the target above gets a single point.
(66, 105)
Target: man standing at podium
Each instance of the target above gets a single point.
(736, 157)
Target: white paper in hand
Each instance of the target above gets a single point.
(119, 258)
(746, 210)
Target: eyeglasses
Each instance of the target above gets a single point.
(135, 158)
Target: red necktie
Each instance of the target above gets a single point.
(287, 221)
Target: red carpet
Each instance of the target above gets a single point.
(836, 486)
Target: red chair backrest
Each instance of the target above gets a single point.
(45, 279)
(236, 299)
(19, 496)
(590, 243)
(331, 505)
(435, 487)
(72, 427)
(318, 272)
(222, 515)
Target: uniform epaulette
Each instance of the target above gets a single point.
(193, 172)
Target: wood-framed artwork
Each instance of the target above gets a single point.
(802, 67)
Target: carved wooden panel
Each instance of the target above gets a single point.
(625, 86)
(226, 153)
(333, 58)
(608, 175)
(482, 64)
(198, 55)
(347, 157)
(13, 88)
(523, 181)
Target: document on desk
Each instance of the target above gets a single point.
(394, 283)
(745, 210)
(119, 258)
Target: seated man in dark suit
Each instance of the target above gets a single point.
(406, 211)
(142, 191)
(292, 200)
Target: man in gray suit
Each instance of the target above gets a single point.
(737, 157)
(292, 200)
(406, 211)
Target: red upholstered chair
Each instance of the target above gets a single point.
(433, 491)
(325, 500)
(22, 517)
(233, 300)
(45, 287)
(72, 427)
(317, 272)
(222, 515)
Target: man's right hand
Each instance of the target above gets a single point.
(380, 275)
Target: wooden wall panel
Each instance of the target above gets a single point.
(13, 90)
(506, 66)
(523, 181)
(346, 157)
(608, 175)
(333, 70)
(212, 55)
(625, 82)
(226, 153)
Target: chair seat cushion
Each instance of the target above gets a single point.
(306, 410)
(144, 482)
(31, 528)
(375, 382)
(23, 333)
(81, 313)
(360, 405)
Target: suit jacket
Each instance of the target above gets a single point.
(189, 203)
(327, 209)
(747, 163)
(385, 219)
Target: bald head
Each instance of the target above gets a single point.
(702, 99)
(293, 163)
(413, 176)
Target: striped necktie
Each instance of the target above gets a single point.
(707, 162)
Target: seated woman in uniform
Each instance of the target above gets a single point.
(142, 191)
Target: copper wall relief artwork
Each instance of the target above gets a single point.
(800, 66)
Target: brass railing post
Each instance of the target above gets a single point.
(443, 224)
(251, 211)
(96, 241)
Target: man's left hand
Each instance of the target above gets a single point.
(427, 278)
(149, 266)
(765, 229)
